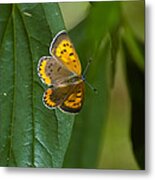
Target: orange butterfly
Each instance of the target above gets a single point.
(62, 73)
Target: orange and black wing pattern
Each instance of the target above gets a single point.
(74, 101)
(63, 49)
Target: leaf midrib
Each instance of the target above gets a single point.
(32, 95)
(14, 87)
(14, 92)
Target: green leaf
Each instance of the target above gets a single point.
(4, 18)
(133, 45)
(134, 16)
(30, 134)
(95, 43)
(134, 51)
(136, 84)
(74, 12)
(33, 136)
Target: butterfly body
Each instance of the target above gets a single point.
(61, 72)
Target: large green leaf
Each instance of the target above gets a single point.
(30, 134)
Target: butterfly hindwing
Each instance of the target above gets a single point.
(74, 101)
(51, 71)
(68, 98)
(54, 97)
(63, 49)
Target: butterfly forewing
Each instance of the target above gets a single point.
(63, 49)
(51, 71)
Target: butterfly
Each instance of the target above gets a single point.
(61, 72)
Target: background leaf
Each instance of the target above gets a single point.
(98, 44)
(137, 92)
(91, 151)
(134, 51)
(30, 134)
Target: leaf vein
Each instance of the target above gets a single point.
(32, 96)
(44, 146)
(14, 86)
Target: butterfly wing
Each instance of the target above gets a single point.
(52, 71)
(67, 93)
(63, 49)
(54, 97)
(68, 98)
(74, 101)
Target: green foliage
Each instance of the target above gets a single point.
(33, 136)
(97, 44)
(134, 52)
(30, 134)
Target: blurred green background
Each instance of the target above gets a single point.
(116, 151)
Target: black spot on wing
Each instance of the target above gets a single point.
(71, 54)
(71, 100)
(59, 68)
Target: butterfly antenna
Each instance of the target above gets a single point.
(90, 86)
(87, 66)
(84, 74)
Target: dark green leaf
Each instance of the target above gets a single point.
(136, 80)
(30, 134)
(4, 18)
(134, 50)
